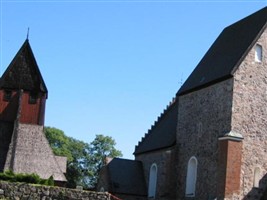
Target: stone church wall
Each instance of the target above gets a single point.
(249, 118)
(166, 173)
(203, 116)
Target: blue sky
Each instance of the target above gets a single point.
(111, 67)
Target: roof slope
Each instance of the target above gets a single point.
(126, 177)
(163, 133)
(227, 52)
(23, 72)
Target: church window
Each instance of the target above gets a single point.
(7, 95)
(256, 177)
(33, 98)
(258, 53)
(191, 177)
(152, 181)
(199, 128)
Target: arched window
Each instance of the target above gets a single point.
(256, 181)
(102, 189)
(152, 181)
(258, 53)
(191, 177)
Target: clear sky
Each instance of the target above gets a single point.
(111, 67)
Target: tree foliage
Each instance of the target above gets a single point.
(84, 160)
(101, 148)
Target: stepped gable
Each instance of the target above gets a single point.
(227, 52)
(23, 72)
(130, 180)
(163, 133)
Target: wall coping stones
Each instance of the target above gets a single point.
(22, 191)
(232, 135)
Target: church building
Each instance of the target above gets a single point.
(211, 140)
(23, 145)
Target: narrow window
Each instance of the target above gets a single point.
(256, 177)
(199, 128)
(33, 98)
(152, 181)
(258, 53)
(191, 177)
(7, 95)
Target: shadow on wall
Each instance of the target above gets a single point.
(258, 192)
(7, 118)
(9, 111)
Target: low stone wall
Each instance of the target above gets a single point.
(23, 191)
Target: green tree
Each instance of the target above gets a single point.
(84, 160)
(101, 148)
(77, 153)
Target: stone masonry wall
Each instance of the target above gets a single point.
(22, 191)
(166, 173)
(203, 117)
(249, 118)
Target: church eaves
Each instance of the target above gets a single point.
(227, 52)
(23, 72)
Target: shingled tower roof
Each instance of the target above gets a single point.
(227, 52)
(23, 72)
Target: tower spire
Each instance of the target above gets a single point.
(28, 32)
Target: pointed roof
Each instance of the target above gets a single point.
(23, 72)
(227, 52)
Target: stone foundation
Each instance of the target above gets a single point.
(23, 191)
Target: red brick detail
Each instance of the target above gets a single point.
(230, 154)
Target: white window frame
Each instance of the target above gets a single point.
(191, 177)
(258, 53)
(152, 184)
(256, 179)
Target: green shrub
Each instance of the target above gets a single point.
(50, 181)
(26, 178)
